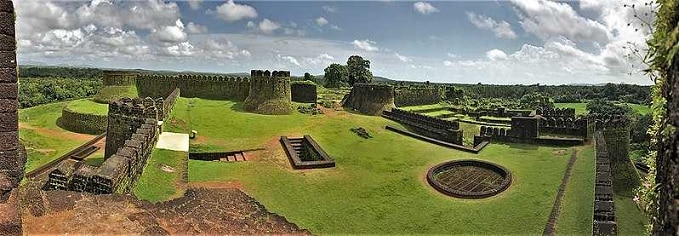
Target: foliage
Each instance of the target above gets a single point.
(604, 107)
(454, 94)
(359, 70)
(309, 77)
(535, 100)
(336, 75)
(59, 72)
(38, 91)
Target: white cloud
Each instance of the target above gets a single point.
(326, 56)
(330, 9)
(170, 34)
(268, 26)
(424, 8)
(195, 4)
(496, 54)
(196, 28)
(366, 45)
(231, 11)
(546, 19)
(452, 55)
(501, 29)
(290, 59)
(321, 21)
(402, 58)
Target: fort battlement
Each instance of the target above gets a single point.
(371, 99)
(119, 78)
(125, 117)
(417, 95)
(198, 86)
(269, 93)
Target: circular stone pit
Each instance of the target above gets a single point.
(470, 179)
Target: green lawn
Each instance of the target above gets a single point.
(580, 107)
(109, 93)
(577, 206)
(641, 109)
(423, 107)
(161, 180)
(43, 138)
(378, 185)
(88, 106)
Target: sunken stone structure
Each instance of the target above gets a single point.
(269, 93)
(305, 153)
(469, 178)
(439, 129)
(304, 91)
(370, 99)
(12, 153)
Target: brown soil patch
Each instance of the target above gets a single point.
(221, 209)
(57, 133)
(218, 184)
(559, 152)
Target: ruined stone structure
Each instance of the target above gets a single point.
(12, 153)
(304, 91)
(124, 118)
(194, 86)
(269, 93)
(562, 121)
(305, 153)
(370, 99)
(417, 95)
(118, 173)
(524, 130)
(85, 123)
(117, 84)
(604, 210)
(439, 129)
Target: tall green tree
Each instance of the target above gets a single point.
(335, 75)
(359, 70)
(309, 77)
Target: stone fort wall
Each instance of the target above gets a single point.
(83, 122)
(12, 154)
(417, 95)
(370, 99)
(124, 118)
(194, 86)
(269, 93)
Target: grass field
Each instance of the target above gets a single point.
(43, 138)
(161, 180)
(109, 93)
(88, 106)
(378, 185)
(580, 107)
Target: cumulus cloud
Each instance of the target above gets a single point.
(424, 8)
(366, 45)
(268, 26)
(496, 54)
(290, 59)
(196, 28)
(231, 12)
(330, 9)
(546, 19)
(501, 29)
(321, 21)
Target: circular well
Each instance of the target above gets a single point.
(469, 178)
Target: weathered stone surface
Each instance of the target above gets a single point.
(6, 22)
(370, 99)
(8, 105)
(8, 59)
(9, 121)
(8, 91)
(7, 43)
(9, 140)
(7, 6)
(8, 75)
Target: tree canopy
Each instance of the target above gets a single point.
(335, 75)
(359, 70)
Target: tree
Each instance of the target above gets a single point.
(535, 100)
(335, 75)
(359, 70)
(310, 77)
(604, 107)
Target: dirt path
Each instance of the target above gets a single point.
(550, 228)
(56, 133)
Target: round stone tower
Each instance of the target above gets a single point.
(117, 84)
(269, 93)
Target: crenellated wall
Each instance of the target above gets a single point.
(198, 86)
(370, 99)
(269, 93)
(124, 118)
(417, 95)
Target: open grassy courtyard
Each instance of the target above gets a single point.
(379, 184)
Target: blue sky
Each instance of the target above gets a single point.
(499, 42)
